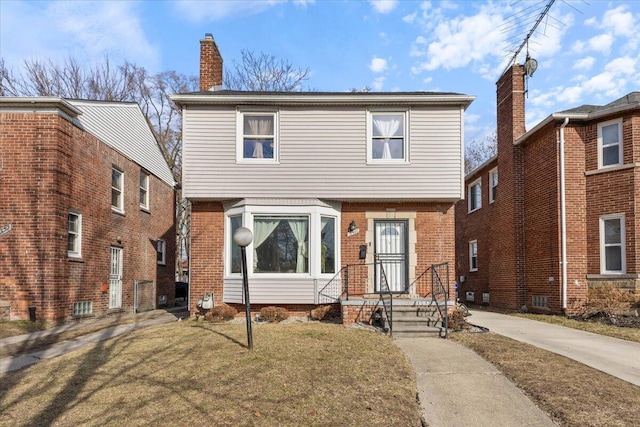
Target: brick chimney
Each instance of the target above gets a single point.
(210, 64)
(507, 280)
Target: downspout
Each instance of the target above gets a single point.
(563, 217)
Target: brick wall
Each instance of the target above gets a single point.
(50, 168)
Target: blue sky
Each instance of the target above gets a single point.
(588, 51)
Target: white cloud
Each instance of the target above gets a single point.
(427, 80)
(86, 31)
(622, 66)
(619, 21)
(200, 11)
(601, 43)
(378, 65)
(410, 18)
(584, 64)
(384, 6)
(378, 82)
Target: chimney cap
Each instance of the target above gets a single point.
(208, 36)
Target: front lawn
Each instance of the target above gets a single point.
(196, 373)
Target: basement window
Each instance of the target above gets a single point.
(82, 308)
(540, 301)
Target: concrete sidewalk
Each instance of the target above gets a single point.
(143, 320)
(613, 356)
(459, 388)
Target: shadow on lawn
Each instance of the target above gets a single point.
(233, 340)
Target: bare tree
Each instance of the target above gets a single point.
(265, 73)
(479, 151)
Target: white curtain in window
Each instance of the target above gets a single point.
(262, 229)
(387, 128)
(260, 126)
(299, 229)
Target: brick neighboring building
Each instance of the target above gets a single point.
(86, 200)
(318, 177)
(509, 237)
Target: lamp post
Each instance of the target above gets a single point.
(243, 237)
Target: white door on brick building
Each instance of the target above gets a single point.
(115, 278)
(390, 248)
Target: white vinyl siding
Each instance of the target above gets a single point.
(323, 154)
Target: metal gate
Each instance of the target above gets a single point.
(144, 296)
(390, 248)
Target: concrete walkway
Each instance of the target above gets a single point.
(613, 356)
(459, 388)
(144, 320)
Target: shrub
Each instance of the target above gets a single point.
(319, 313)
(456, 319)
(608, 300)
(221, 313)
(274, 314)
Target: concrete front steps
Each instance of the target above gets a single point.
(416, 318)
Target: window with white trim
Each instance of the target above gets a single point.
(117, 189)
(474, 195)
(473, 255)
(144, 190)
(74, 237)
(387, 137)
(493, 184)
(287, 241)
(161, 251)
(257, 136)
(612, 244)
(610, 143)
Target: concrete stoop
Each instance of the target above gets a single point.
(415, 320)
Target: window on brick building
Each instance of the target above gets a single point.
(117, 189)
(610, 143)
(387, 141)
(473, 255)
(474, 195)
(74, 239)
(493, 184)
(257, 137)
(161, 246)
(144, 190)
(612, 244)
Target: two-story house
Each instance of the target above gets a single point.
(562, 217)
(86, 210)
(323, 180)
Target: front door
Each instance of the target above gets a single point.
(390, 248)
(115, 278)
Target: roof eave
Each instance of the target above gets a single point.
(347, 99)
(31, 102)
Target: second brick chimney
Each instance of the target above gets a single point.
(210, 64)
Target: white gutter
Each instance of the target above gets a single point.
(563, 217)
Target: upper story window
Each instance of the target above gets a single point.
(161, 251)
(74, 237)
(493, 184)
(144, 190)
(474, 194)
(612, 244)
(473, 255)
(117, 189)
(610, 143)
(387, 140)
(257, 137)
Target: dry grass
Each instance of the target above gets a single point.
(188, 373)
(19, 327)
(572, 393)
(629, 334)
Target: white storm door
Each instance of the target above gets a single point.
(391, 250)
(115, 278)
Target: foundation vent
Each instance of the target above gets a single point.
(540, 301)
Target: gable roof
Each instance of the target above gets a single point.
(122, 126)
(586, 112)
